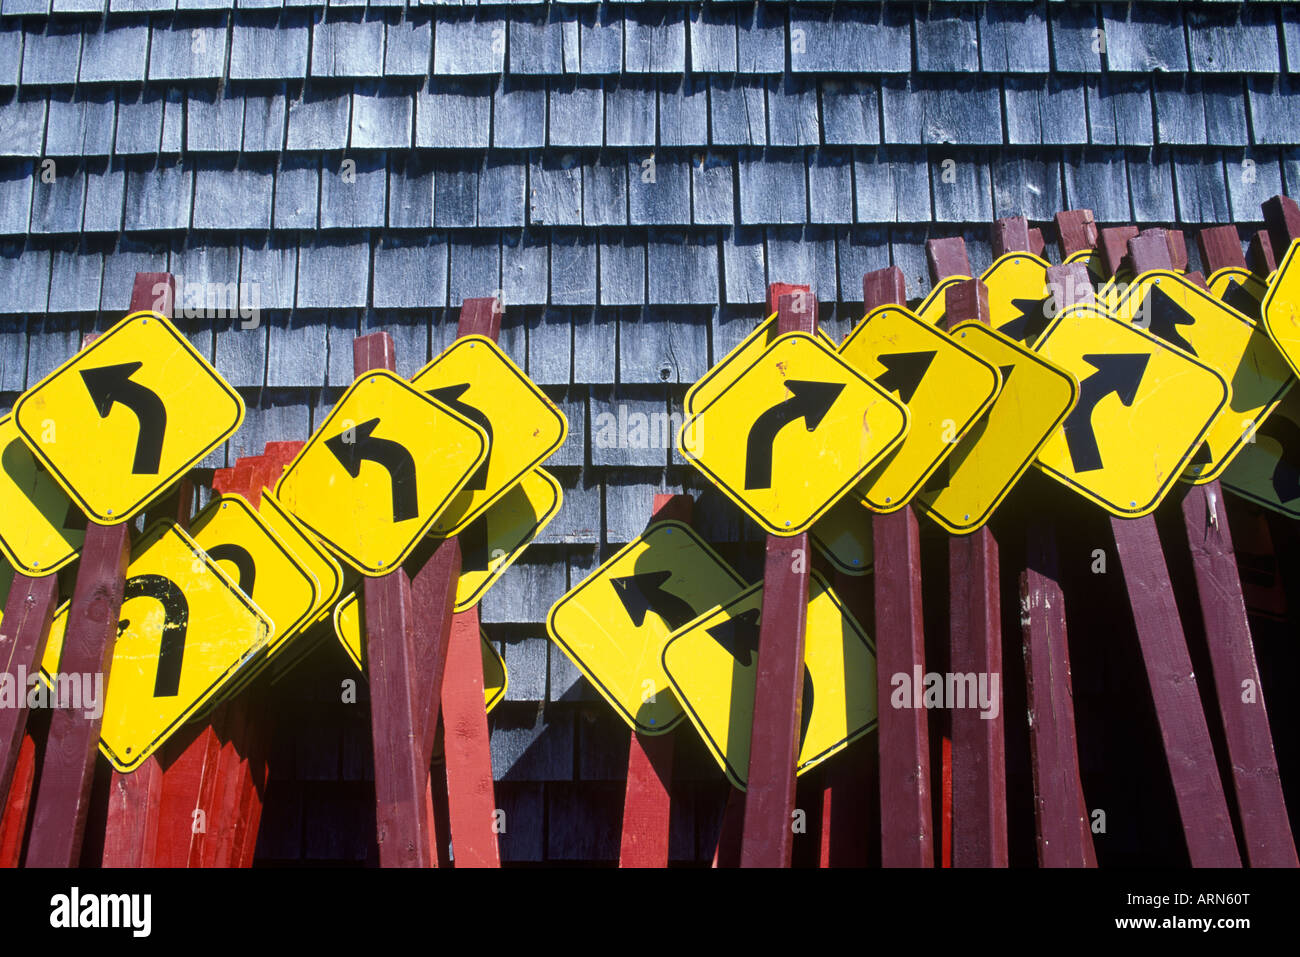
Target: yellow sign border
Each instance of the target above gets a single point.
(528, 384)
(418, 536)
(1101, 314)
(825, 507)
(698, 724)
(577, 589)
(163, 484)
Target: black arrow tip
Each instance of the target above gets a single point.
(104, 382)
(814, 399)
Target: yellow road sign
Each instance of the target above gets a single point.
(1239, 288)
(349, 626)
(475, 378)
(185, 630)
(491, 543)
(1144, 408)
(125, 417)
(1021, 300)
(792, 432)
(945, 386)
(713, 663)
(1184, 315)
(388, 459)
(1035, 399)
(306, 548)
(750, 348)
(843, 535)
(33, 510)
(1281, 306)
(613, 624)
(1267, 470)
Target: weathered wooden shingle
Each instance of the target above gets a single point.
(11, 55)
(352, 191)
(682, 268)
(1097, 180)
(792, 117)
(867, 38)
(963, 191)
(1045, 110)
(713, 39)
(347, 48)
(297, 193)
(526, 280)
(408, 47)
(830, 186)
(554, 190)
(81, 125)
(627, 428)
(159, 197)
(630, 112)
(475, 268)
(772, 187)
(575, 111)
(659, 346)
(536, 43)
(453, 113)
(268, 268)
(600, 40)
(105, 196)
(227, 196)
(947, 38)
(1119, 111)
(114, 55)
(16, 181)
(52, 57)
(604, 189)
(1236, 39)
(188, 52)
(850, 112)
(930, 111)
(654, 39)
(76, 274)
(215, 121)
(1274, 107)
(573, 268)
(1179, 110)
(381, 117)
(519, 113)
(1013, 38)
(24, 124)
(713, 179)
(1025, 185)
(1201, 187)
(57, 205)
(744, 269)
(120, 266)
(264, 122)
(455, 192)
(139, 122)
(804, 255)
(1225, 111)
(1151, 186)
(502, 191)
(464, 46)
(333, 274)
(659, 189)
(270, 48)
(858, 251)
(1144, 38)
(622, 269)
(738, 111)
(410, 273)
(1077, 37)
(318, 120)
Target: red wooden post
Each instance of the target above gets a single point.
(906, 829)
(778, 689)
(1189, 753)
(1282, 218)
(68, 768)
(29, 610)
(1259, 255)
(396, 711)
(979, 787)
(13, 823)
(1077, 230)
(1260, 803)
(647, 806)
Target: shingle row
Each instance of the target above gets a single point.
(747, 38)
(618, 189)
(472, 114)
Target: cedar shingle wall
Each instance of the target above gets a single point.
(368, 167)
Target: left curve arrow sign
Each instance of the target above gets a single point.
(111, 385)
(354, 446)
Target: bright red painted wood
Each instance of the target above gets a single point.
(13, 822)
(906, 825)
(778, 688)
(68, 768)
(28, 611)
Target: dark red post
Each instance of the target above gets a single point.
(778, 690)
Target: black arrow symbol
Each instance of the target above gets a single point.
(739, 636)
(809, 401)
(1119, 373)
(1238, 298)
(904, 372)
(238, 556)
(110, 385)
(1031, 322)
(449, 395)
(393, 456)
(176, 621)
(1166, 317)
(643, 592)
(1286, 474)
